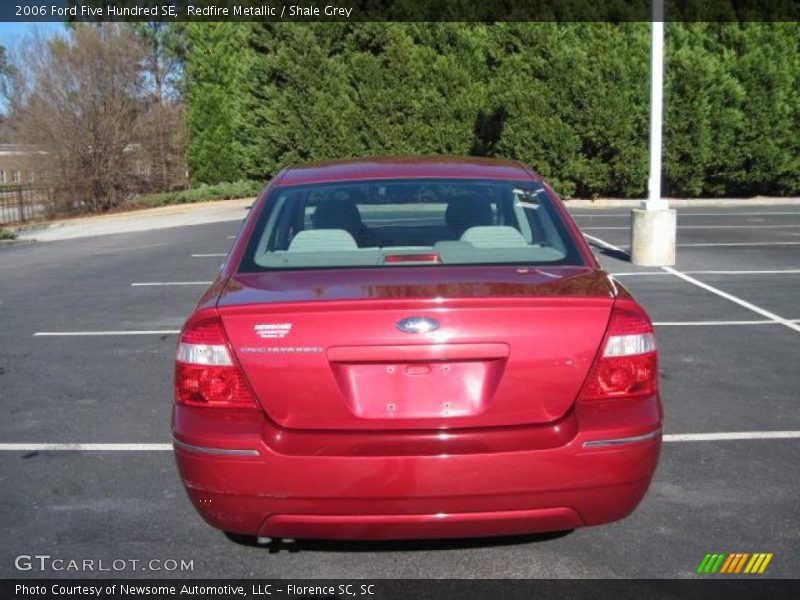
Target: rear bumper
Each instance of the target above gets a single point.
(384, 496)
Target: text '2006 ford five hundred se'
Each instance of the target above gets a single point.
(414, 348)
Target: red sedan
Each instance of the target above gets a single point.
(414, 348)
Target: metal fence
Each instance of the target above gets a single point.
(20, 203)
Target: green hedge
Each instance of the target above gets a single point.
(569, 99)
(200, 193)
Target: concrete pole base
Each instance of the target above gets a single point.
(653, 237)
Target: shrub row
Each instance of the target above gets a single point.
(572, 100)
(199, 193)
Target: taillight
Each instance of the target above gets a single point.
(628, 365)
(205, 372)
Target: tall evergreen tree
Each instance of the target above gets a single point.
(217, 60)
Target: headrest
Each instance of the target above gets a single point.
(322, 240)
(334, 214)
(468, 212)
(495, 236)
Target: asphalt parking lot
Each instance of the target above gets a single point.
(728, 326)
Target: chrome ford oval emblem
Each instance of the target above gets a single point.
(418, 325)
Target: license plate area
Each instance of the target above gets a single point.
(418, 390)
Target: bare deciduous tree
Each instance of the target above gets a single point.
(162, 134)
(85, 99)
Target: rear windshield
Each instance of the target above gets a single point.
(408, 223)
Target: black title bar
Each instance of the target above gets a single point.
(733, 588)
(396, 10)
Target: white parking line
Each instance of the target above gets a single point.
(84, 447)
(212, 255)
(177, 331)
(712, 323)
(711, 244)
(709, 227)
(674, 437)
(163, 283)
(713, 290)
(687, 214)
(87, 333)
(659, 273)
(734, 299)
(732, 435)
(584, 228)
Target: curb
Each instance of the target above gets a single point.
(35, 227)
(19, 242)
(167, 210)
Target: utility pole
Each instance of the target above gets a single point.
(653, 225)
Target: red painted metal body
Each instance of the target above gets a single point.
(473, 429)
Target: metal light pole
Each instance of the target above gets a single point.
(654, 199)
(653, 225)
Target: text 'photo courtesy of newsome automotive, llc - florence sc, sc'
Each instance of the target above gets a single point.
(397, 299)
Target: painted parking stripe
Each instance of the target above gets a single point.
(168, 283)
(731, 436)
(735, 299)
(712, 244)
(177, 331)
(709, 288)
(792, 243)
(707, 227)
(689, 214)
(99, 333)
(711, 323)
(669, 438)
(84, 447)
(623, 274)
(720, 323)
(658, 273)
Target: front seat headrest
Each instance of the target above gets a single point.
(468, 212)
(337, 215)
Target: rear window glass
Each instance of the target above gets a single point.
(409, 223)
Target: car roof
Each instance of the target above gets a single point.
(407, 167)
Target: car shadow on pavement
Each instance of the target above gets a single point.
(277, 545)
(611, 253)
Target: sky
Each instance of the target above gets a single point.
(12, 33)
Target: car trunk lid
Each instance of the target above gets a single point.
(502, 346)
